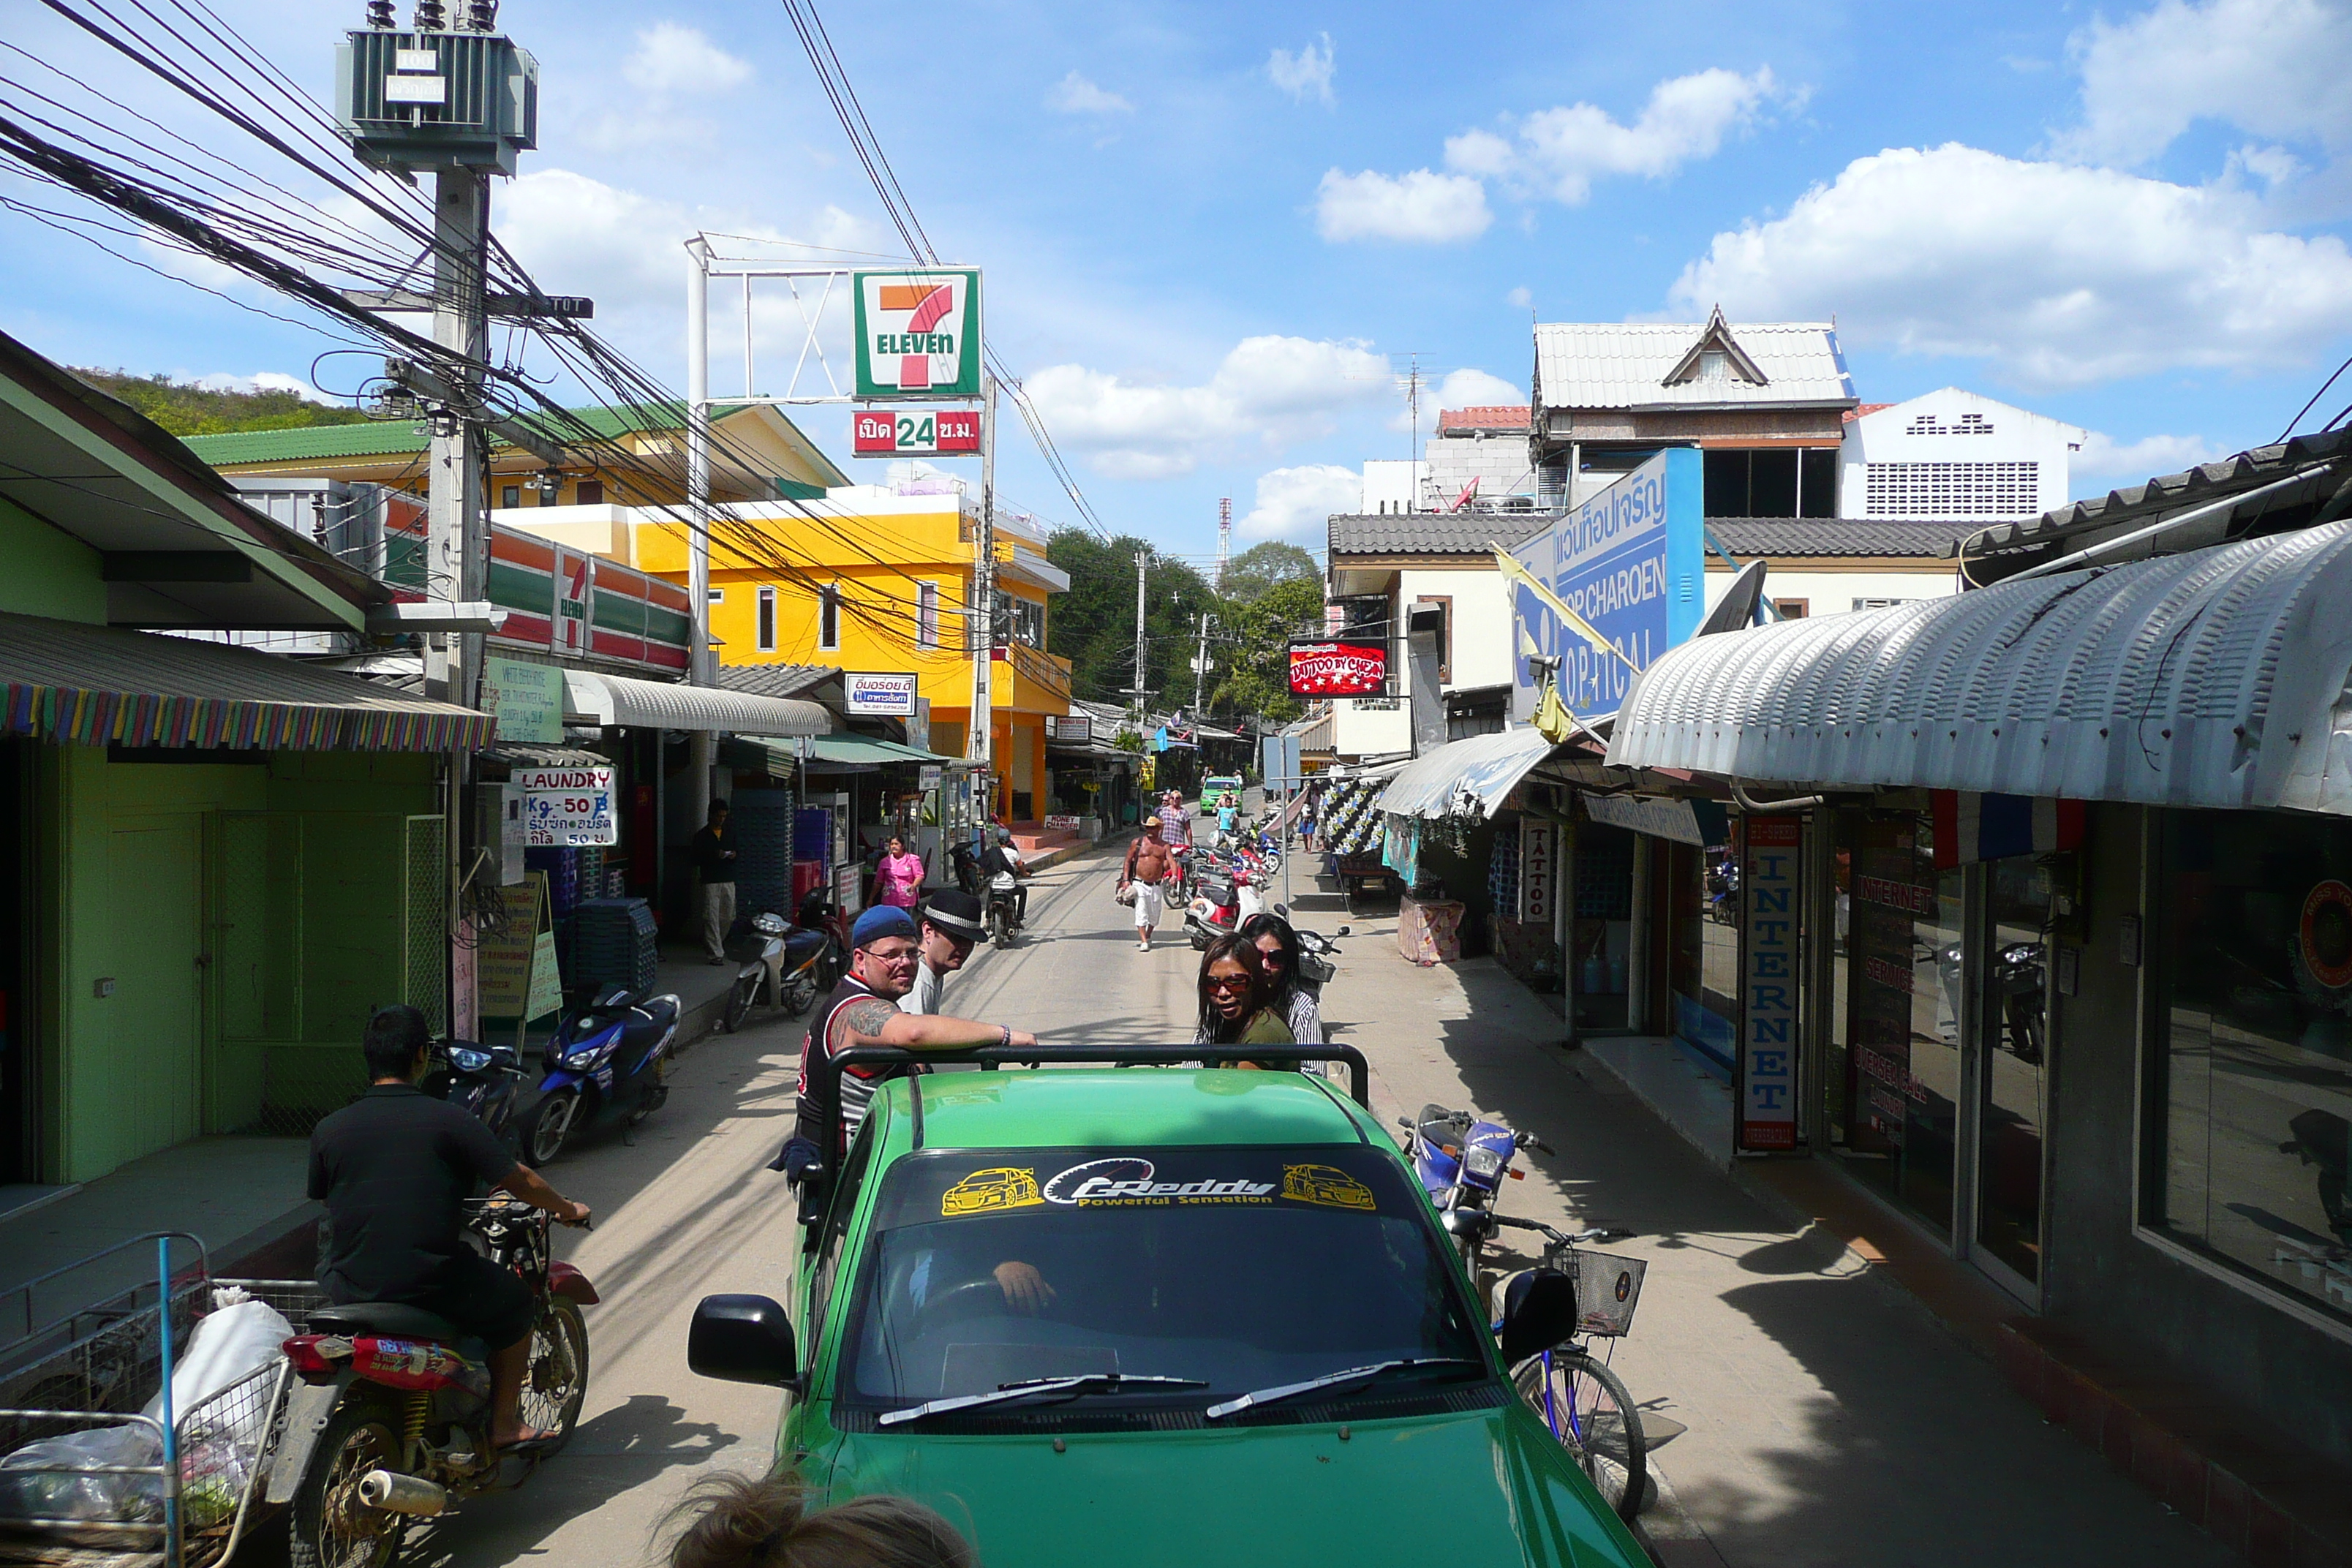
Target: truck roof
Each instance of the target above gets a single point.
(1143, 1107)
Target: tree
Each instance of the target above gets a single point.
(1255, 651)
(187, 409)
(1251, 574)
(1093, 625)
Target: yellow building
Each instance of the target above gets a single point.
(758, 455)
(868, 580)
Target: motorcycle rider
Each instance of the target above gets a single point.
(863, 1010)
(950, 926)
(1004, 856)
(394, 1168)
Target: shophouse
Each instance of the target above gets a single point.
(218, 860)
(633, 457)
(2037, 924)
(877, 584)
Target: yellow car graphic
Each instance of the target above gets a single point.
(1326, 1184)
(999, 1187)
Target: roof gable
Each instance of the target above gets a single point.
(1631, 365)
(1715, 338)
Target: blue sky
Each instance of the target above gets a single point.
(1215, 236)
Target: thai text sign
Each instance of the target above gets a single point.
(918, 332)
(1071, 729)
(1631, 560)
(1326, 667)
(568, 806)
(915, 433)
(527, 698)
(1768, 1037)
(881, 693)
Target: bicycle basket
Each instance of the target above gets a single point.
(1608, 1288)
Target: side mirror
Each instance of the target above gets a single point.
(743, 1339)
(505, 1057)
(1343, 931)
(1538, 1312)
(1282, 909)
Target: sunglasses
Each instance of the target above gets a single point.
(1229, 983)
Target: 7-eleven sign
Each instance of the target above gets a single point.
(919, 333)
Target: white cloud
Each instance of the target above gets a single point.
(1074, 94)
(1520, 298)
(1421, 206)
(1269, 393)
(2105, 463)
(2275, 68)
(1468, 388)
(262, 381)
(673, 59)
(1561, 151)
(2057, 274)
(1305, 75)
(1296, 502)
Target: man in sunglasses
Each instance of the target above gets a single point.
(831, 1099)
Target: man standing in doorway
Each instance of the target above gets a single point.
(950, 925)
(1148, 868)
(714, 862)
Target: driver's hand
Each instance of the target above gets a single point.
(1025, 1289)
(574, 1214)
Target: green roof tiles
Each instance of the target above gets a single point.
(393, 437)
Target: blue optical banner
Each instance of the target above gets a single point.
(1631, 560)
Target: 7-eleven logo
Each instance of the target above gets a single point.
(917, 333)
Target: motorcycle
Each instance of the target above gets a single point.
(1462, 1161)
(1003, 913)
(759, 950)
(1315, 951)
(1216, 907)
(392, 1421)
(605, 1061)
(483, 1081)
(813, 959)
(966, 863)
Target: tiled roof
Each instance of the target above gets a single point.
(1802, 536)
(1486, 416)
(1432, 532)
(1859, 409)
(1625, 364)
(775, 680)
(390, 438)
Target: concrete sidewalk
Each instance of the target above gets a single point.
(1831, 1417)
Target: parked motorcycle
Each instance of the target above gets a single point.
(758, 954)
(1216, 907)
(966, 863)
(1314, 950)
(484, 1081)
(1462, 1159)
(392, 1421)
(814, 953)
(604, 1062)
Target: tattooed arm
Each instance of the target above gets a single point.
(872, 1021)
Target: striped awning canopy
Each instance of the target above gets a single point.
(97, 685)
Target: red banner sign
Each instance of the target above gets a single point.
(915, 433)
(1332, 669)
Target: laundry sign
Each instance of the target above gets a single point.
(918, 332)
(570, 805)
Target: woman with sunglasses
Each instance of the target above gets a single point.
(1234, 1008)
(1277, 947)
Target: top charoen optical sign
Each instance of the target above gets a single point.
(919, 333)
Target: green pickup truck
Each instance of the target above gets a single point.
(1184, 1316)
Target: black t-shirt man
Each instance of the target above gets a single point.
(713, 848)
(394, 1168)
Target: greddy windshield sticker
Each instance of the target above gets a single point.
(1127, 1183)
(1340, 1179)
(1326, 1184)
(999, 1187)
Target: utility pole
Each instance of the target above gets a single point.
(981, 623)
(1201, 665)
(1141, 558)
(700, 670)
(457, 528)
(1224, 538)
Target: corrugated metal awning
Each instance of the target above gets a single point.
(1465, 778)
(619, 700)
(2211, 678)
(99, 686)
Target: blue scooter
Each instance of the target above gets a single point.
(481, 1080)
(604, 1063)
(1462, 1159)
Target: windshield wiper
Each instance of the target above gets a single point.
(1084, 1382)
(1353, 1373)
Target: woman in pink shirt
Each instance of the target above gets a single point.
(899, 875)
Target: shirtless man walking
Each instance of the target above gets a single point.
(1148, 867)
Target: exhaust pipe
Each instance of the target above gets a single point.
(396, 1494)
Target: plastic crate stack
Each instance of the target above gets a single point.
(563, 869)
(612, 943)
(762, 822)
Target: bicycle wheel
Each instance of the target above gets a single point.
(1588, 1409)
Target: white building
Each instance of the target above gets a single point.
(1953, 455)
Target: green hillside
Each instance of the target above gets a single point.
(185, 409)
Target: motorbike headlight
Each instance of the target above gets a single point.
(469, 1060)
(1483, 1162)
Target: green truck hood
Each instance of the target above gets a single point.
(1490, 1488)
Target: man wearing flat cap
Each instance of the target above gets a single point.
(950, 927)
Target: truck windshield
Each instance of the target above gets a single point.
(1242, 1268)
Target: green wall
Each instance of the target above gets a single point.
(284, 878)
(49, 574)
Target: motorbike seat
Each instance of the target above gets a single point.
(801, 943)
(396, 1320)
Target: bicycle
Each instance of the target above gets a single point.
(1582, 1401)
